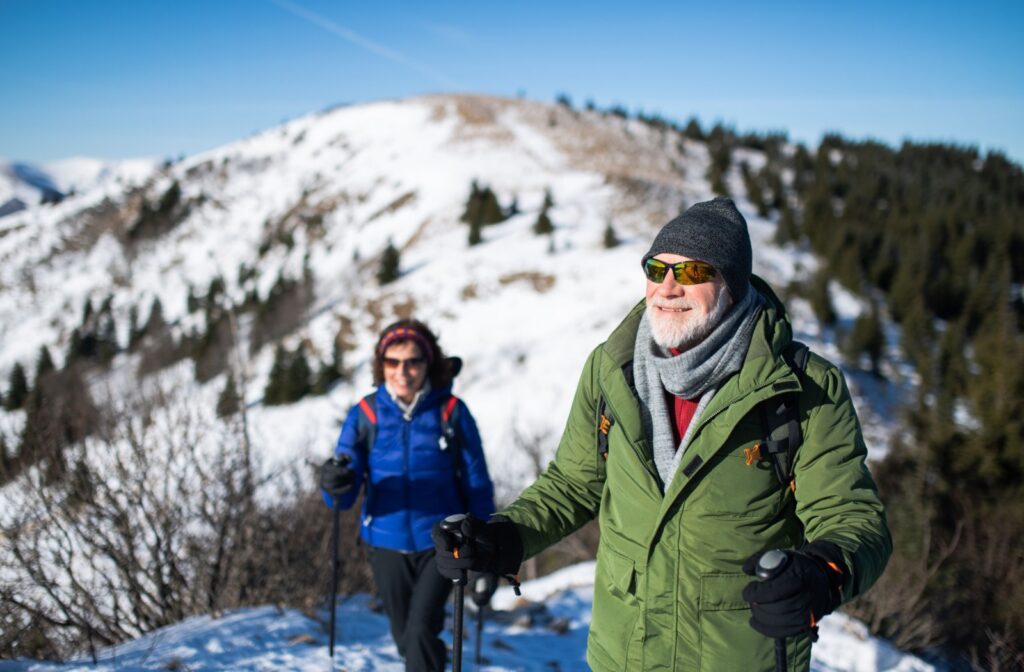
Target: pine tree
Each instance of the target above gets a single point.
(549, 201)
(693, 130)
(867, 338)
(106, 337)
(472, 212)
(192, 300)
(821, 300)
(44, 363)
(389, 265)
(155, 324)
(229, 402)
(297, 380)
(721, 158)
(134, 332)
(787, 230)
(86, 312)
(475, 234)
(543, 225)
(17, 388)
(490, 209)
(755, 190)
(325, 377)
(610, 239)
(170, 199)
(6, 461)
(274, 393)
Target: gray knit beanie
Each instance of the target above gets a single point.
(715, 232)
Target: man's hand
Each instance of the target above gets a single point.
(792, 602)
(335, 477)
(473, 545)
(481, 588)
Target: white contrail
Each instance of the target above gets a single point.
(369, 45)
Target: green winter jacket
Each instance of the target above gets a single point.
(667, 591)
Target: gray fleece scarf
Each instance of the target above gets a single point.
(694, 374)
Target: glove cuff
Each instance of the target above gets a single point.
(830, 558)
(509, 543)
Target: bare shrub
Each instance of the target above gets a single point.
(159, 516)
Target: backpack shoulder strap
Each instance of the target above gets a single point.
(604, 418)
(450, 439)
(780, 418)
(366, 429)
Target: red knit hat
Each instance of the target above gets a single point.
(404, 333)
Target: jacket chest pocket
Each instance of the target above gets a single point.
(740, 480)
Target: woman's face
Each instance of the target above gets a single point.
(405, 369)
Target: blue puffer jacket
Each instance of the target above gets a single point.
(411, 478)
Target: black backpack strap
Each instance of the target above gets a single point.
(604, 425)
(780, 418)
(604, 417)
(450, 439)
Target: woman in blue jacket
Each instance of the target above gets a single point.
(418, 450)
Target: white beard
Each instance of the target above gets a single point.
(684, 330)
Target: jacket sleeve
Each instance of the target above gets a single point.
(476, 483)
(836, 497)
(568, 494)
(348, 444)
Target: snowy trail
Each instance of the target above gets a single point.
(549, 633)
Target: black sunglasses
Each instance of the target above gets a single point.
(684, 272)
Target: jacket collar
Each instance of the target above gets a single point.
(427, 398)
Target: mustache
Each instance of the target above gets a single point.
(661, 302)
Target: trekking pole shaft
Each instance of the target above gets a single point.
(780, 654)
(334, 573)
(479, 635)
(457, 630)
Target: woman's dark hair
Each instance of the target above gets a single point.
(439, 371)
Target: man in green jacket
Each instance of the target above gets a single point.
(665, 444)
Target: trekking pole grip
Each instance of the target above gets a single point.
(453, 526)
(770, 565)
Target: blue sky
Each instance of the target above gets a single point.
(118, 79)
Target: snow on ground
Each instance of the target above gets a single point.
(548, 633)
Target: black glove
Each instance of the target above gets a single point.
(335, 477)
(481, 588)
(473, 545)
(792, 602)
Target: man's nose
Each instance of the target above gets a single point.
(669, 286)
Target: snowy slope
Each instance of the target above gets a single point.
(523, 311)
(545, 631)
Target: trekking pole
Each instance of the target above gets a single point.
(334, 572)
(769, 566)
(453, 525)
(478, 658)
(342, 461)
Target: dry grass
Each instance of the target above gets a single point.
(394, 206)
(540, 282)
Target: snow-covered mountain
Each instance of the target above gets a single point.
(24, 185)
(328, 191)
(317, 200)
